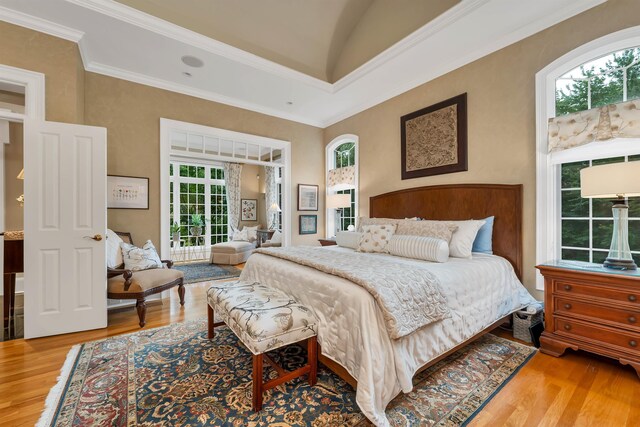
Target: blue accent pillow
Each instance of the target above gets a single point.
(484, 239)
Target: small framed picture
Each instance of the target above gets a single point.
(127, 192)
(307, 197)
(249, 210)
(308, 224)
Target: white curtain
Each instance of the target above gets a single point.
(271, 196)
(232, 178)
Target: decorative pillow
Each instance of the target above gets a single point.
(462, 240)
(276, 237)
(375, 238)
(348, 239)
(114, 253)
(484, 239)
(362, 221)
(437, 229)
(252, 233)
(425, 248)
(240, 236)
(144, 258)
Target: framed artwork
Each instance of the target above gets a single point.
(127, 192)
(307, 197)
(249, 210)
(434, 139)
(308, 224)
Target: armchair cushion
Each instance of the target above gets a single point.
(140, 258)
(144, 280)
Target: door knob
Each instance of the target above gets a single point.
(96, 237)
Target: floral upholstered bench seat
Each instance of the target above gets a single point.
(264, 319)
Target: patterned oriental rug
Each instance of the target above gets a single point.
(205, 271)
(175, 376)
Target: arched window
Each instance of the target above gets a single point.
(569, 227)
(342, 152)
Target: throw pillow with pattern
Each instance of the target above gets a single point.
(143, 258)
(437, 229)
(375, 238)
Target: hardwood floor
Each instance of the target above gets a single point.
(575, 390)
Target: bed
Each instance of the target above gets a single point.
(480, 292)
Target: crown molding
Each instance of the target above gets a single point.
(508, 39)
(38, 24)
(140, 19)
(143, 79)
(421, 34)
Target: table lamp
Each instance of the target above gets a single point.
(338, 201)
(615, 181)
(273, 210)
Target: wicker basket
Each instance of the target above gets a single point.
(522, 321)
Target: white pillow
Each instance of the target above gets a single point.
(418, 247)
(276, 237)
(348, 239)
(462, 239)
(375, 238)
(114, 253)
(144, 258)
(252, 233)
(240, 236)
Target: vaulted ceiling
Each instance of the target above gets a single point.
(325, 39)
(311, 61)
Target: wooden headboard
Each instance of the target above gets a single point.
(460, 202)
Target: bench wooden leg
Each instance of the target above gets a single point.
(312, 352)
(210, 324)
(141, 307)
(257, 382)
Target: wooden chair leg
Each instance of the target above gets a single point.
(257, 382)
(210, 324)
(312, 352)
(141, 306)
(181, 293)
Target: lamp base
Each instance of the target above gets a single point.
(620, 264)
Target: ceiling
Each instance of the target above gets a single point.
(310, 36)
(311, 61)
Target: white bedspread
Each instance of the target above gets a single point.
(352, 331)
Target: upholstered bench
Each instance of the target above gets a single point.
(231, 253)
(264, 319)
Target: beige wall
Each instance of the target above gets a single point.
(13, 188)
(131, 113)
(501, 110)
(58, 59)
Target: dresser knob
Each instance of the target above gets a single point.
(632, 319)
(567, 327)
(633, 343)
(568, 288)
(633, 298)
(567, 306)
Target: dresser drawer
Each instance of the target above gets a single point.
(567, 288)
(616, 317)
(628, 341)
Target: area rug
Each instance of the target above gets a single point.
(205, 271)
(175, 376)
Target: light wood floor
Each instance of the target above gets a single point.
(575, 390)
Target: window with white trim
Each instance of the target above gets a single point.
(198, 189)
(569, 226)
(343, 152)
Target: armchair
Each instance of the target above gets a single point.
(127, 284)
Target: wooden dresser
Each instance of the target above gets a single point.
(591, 308)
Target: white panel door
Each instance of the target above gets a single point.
(65, 222)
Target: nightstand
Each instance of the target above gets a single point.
(592, 308)
(327, 242)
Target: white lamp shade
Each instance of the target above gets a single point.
(275, 208)
(336, 201)
(611, 181)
